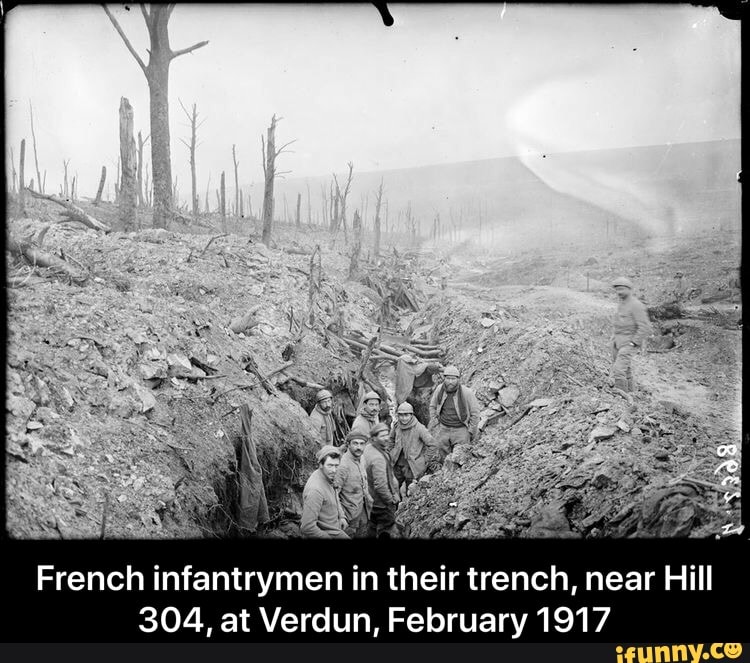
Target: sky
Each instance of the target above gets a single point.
(445, 83)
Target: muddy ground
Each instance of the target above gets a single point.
(123, 392)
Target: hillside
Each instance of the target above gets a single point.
(684, 188)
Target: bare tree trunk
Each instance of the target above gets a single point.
(66, 190)
(357, 239)
(33, 139)
(157, 75)
(286, 211)
(21, 181)
(44, 181)
(139, 174)
(223, 203)
(118, 182)
(14, 174)
(378, 202)
(242, 205)
(236, 184)
(102, 179)
(268, 170)
(208, 189)
(249, 206)
(128, 196)
(193, 119)
(147, 191)
(309, 205)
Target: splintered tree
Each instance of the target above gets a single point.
(192, 145)
(21, 181)
(299, 202)
(66, 190)
(357, 240)
(378, 202)
(236, 182)
(99, 191)
(223, 203)
(270, 153)
(14, 174)
(33, 142)
(341, 197)
(128, 198)
(141, 143)
(157, 77)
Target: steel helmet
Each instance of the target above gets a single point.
(322, 395)
(451, 371)
(621, 280)
(405, 408)
(370, 395)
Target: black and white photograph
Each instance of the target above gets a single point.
(340, 271)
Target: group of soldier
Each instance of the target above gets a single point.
(357, 486)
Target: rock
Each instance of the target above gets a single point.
(602, 433)
(623, 426)
(38, 391)
(46, 416)
(20, 407)
(67, 398)
(179, 365)
(495, 386)
(152, 371)
(603, 479)
(487, 322)
(34, 425)
(636, 432)
(509, 395)
(551, 523)
(460, 455)
(147, 399)
(661, 454)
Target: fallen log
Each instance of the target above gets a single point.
(426, 354)
(73, 212)
(42, 259)
(305, 383)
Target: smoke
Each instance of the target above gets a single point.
(551, 126)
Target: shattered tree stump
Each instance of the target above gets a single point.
(72, 212)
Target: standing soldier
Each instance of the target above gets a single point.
(367, 417)
(322, 515)
(351, 482)
(382, 484)
(321, 417)
(631, 326)
(411, 444)
(454, 413)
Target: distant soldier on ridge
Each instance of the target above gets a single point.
(631, 326)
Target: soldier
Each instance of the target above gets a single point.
(321, 418)
(381, 483)
(322, 515)
(630, 329)
(454, 413)
(411, 444)
(351, 482)
(367, 417)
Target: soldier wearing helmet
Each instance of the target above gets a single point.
(631, 326)
(351, 482)
(381, 483)
(454, 413)
(321, 418)
(367, 417)
(412, 449)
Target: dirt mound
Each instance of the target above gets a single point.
(123, 393)
(562, 455)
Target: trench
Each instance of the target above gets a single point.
(560, 487)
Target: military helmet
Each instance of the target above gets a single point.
(623, 281)
(451, 371)
(322, 395)
(405, 408)
(370, 395)
(377, 428)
